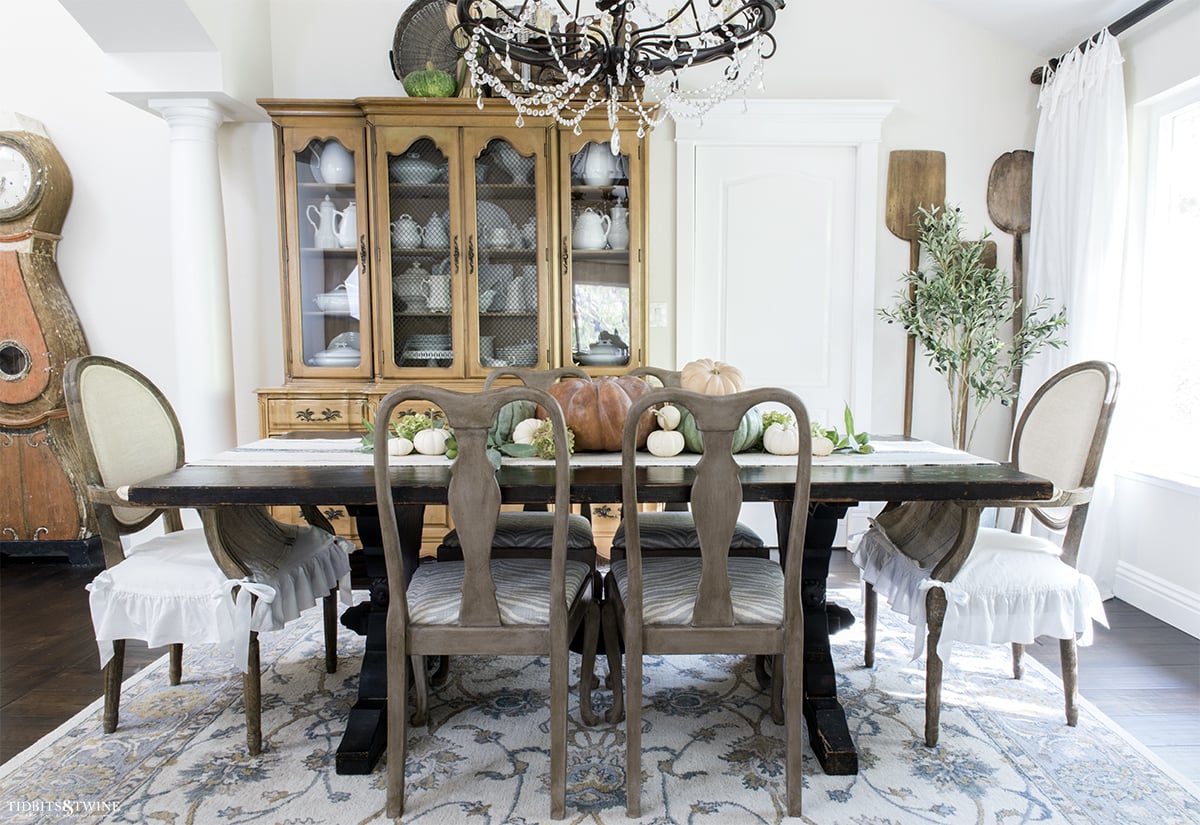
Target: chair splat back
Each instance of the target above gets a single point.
(716, 493)
(473, 496)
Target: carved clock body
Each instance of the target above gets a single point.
(43, 503)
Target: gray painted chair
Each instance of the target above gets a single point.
(934, 564)
(242, 573)
(712, 603)
(483, 604)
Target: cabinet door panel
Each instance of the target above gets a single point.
(509, 300)
(601, 218)
(327, 282)
(420, 228)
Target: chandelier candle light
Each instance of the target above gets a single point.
(548, 59)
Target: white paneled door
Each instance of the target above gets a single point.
(778, 214)
(773, 267)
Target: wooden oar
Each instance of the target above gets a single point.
(1010, 204)
(916, 178)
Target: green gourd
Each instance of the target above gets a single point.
(430, 82)
(748, 433)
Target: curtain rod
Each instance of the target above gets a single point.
(1128, 21)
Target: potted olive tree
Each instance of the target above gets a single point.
(960, 312)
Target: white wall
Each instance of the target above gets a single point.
(957, 89)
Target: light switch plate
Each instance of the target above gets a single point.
(658, 314)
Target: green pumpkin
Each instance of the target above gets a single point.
(430, 83)
(748, 433)
(511, 414)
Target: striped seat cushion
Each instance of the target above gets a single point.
(533, 531)
(677, 531)
(522, 590)
(669, 589)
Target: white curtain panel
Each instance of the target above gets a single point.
(1080, 183)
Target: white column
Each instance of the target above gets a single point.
(204, 400)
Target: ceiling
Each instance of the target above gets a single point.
(1046, 27)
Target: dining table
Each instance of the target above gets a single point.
(296, 471)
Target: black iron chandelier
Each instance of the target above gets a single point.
(550, 59)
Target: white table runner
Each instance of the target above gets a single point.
(300, 452)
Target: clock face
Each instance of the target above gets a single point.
(20, 179)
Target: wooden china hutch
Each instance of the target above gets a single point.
(431, 240)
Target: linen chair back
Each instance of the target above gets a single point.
(1061, 436)
(530, 377)
(125, 430)
(716, 495)
(473, 496)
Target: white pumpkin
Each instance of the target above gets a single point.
(711, 377)
(523, 432)
(399, 445)
(821, 445)
(431, 441)
(665, 443)
(668, 417)
(782, 440)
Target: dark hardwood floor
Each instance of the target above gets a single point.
(1142, 673)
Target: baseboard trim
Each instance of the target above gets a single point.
(1160, 598)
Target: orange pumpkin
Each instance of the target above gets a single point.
(596, 410)
(711, 377)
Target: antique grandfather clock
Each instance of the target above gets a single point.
(43, 503)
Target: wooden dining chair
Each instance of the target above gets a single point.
(242, 573)
(713, 602)
(933, 563)
(482, 604)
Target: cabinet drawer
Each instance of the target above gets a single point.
(321, 413)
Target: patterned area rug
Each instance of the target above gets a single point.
(713, 755)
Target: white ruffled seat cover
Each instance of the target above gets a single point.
(1012, 588)
(169, 590)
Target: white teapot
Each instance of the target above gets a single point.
(591, 230)
(332, 163)
(346, 226)
(434, 234)
(406, 233)
(325, 226)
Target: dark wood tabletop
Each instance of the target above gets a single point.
(196, 485)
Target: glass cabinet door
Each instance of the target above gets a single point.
(601, 253)
(329, 289)
(420, 229)
(509, 301)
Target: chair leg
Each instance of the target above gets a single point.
(113, 671)
(935, 612)
(330, 615)
(420, 691)
(633, 728)
(1018, 664)
(791, 663)
(870, 615)
(441, 673)
(1070, 677)
(762, 673)
(175, 660)
(777, 676)
(397, 720)
(591, 639)
(558, 731)
(612, 650)
(252, 697)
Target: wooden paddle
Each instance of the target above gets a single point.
(1010, 204)
(916, 178)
